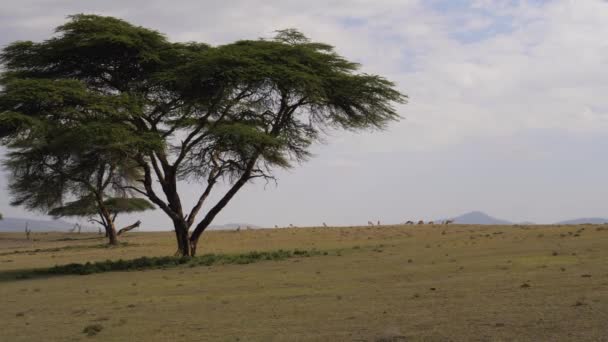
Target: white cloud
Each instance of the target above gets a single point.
(484, 72)
(543, 74)
(541, 71)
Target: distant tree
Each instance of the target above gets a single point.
(227, 114)
(89, 208)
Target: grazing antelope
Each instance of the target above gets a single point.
(370, 223)
(431, 222)
(421, 222)
(409, 222)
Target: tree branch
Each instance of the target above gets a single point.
(127, 228)
(190, 140)
(97, 221)
(200, 228)
(210, 183)
(136, 190)
(147, 181)
(159, 174)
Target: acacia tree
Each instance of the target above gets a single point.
(215, 115)
(88, 207)
(59, 149)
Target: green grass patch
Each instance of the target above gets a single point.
(161, 262)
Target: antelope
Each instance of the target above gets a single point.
(409, 222)
(324, 224)
(370, 223)
(421, 222)
(431, 222)
(448, 222)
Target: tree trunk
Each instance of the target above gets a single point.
(200, 228)
(196, 234)
(181, 234)
(193, 244)
(109, 225)
(111, 234)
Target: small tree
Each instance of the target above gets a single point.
(228, 114)
(60, 149)
(44, 180)
(89, 208)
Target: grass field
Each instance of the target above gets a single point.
(389, 283)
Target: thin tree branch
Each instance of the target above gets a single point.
(135, 189)
(151, 194)
(210, 183)
(223, 201)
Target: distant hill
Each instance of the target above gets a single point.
(591, 220)
(12, 224)
(477, 217)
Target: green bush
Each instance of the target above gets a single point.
(169, 261)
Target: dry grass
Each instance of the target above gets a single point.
(397, 283)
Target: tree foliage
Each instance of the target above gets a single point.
(65, 141)
(189, 111)
(87, 207)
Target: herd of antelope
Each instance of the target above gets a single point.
(370, 223)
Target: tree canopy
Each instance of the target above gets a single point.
(63, 145)
(187, 111)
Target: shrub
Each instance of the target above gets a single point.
(168, 261)
(93, 329)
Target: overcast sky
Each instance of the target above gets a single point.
(508, 109)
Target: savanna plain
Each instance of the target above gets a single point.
(381, 283)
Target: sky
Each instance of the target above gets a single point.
(507, 112)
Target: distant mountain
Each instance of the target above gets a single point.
(230, 226)
(477, 217)
(526, 223)
(591, 220)
(11, 224)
